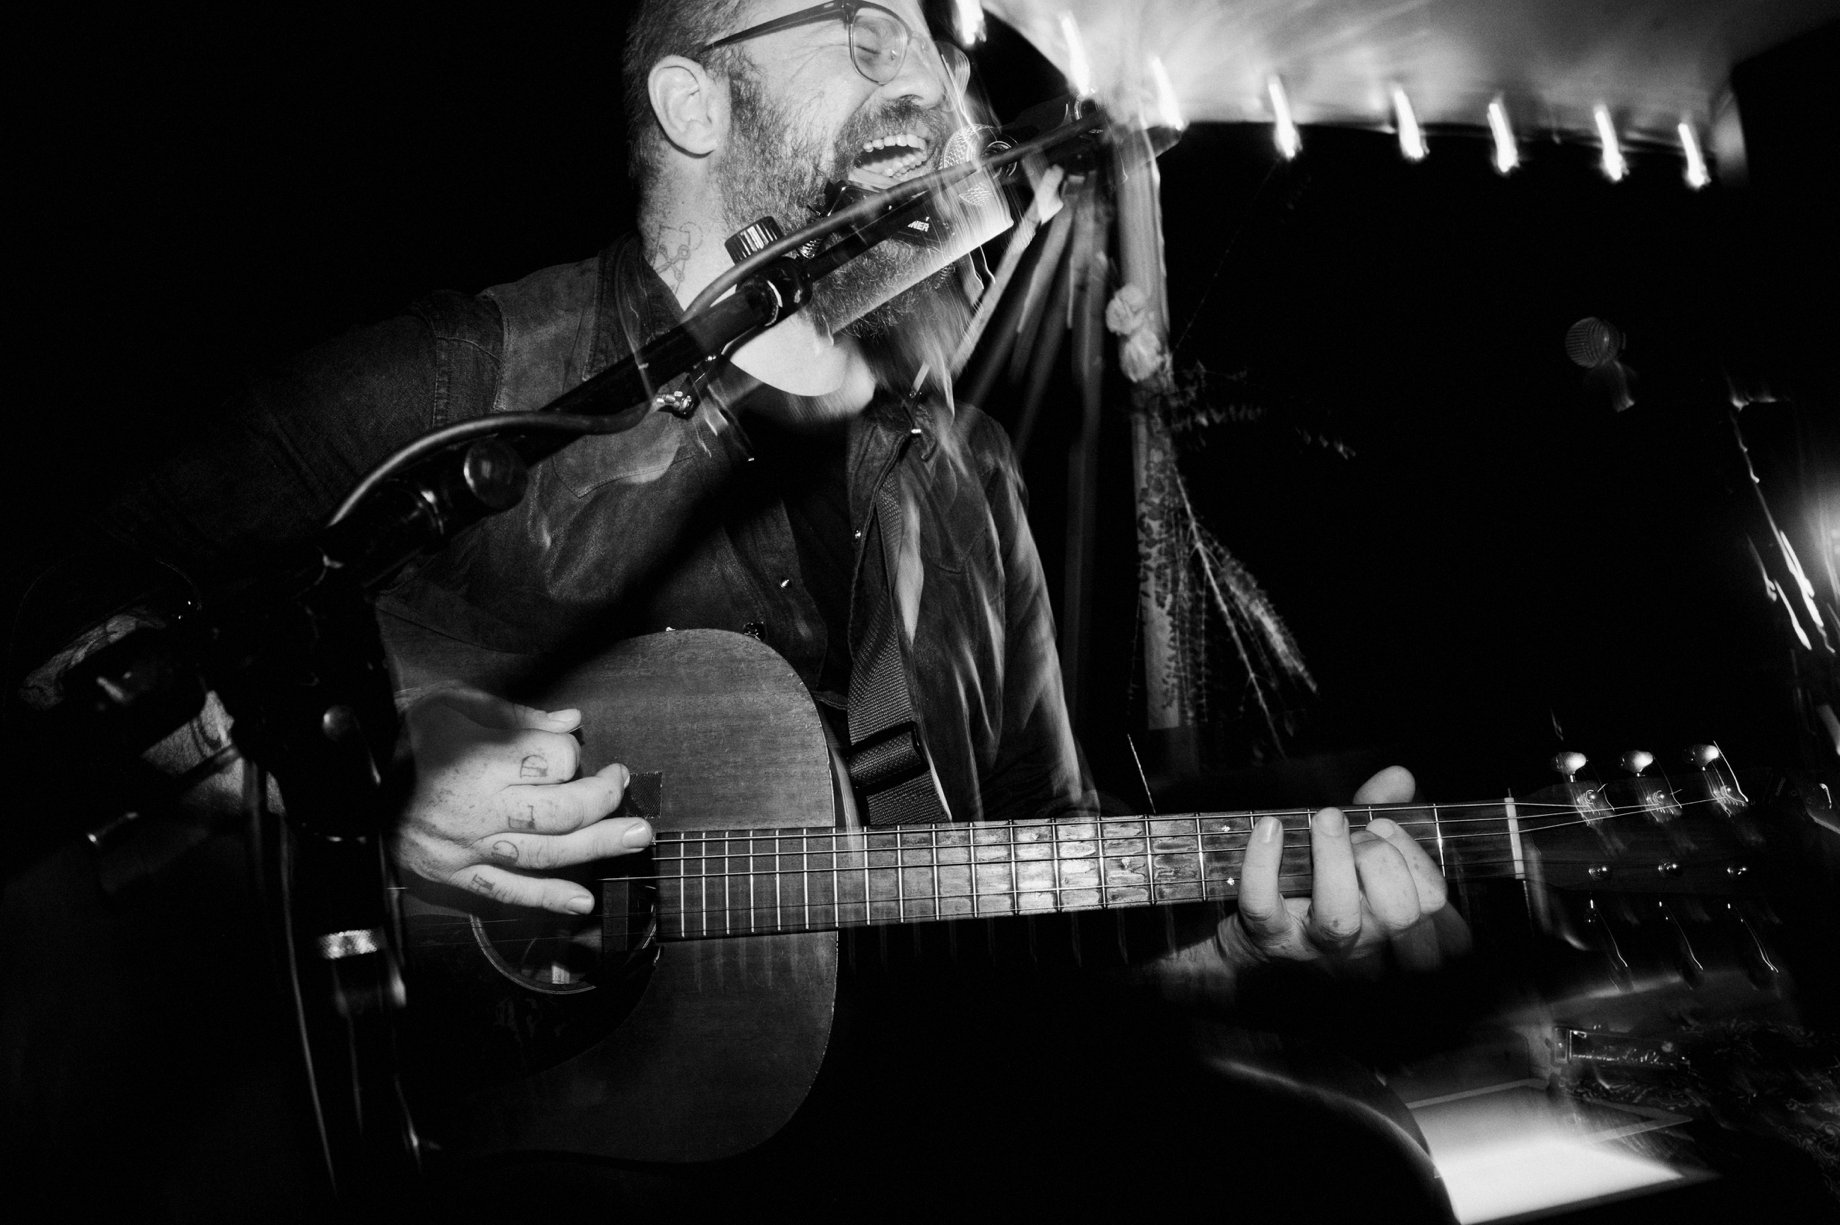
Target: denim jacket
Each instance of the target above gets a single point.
(636, 532)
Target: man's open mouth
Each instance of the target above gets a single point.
(887, 160)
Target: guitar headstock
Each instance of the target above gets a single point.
(1644, 827)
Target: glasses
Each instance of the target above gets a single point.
(878, 39)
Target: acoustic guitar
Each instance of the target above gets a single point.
(687, 1019)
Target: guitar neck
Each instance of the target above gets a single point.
(747, 882)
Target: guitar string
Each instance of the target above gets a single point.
(998, 832)
(1152, 888)
(847, 910)
(1202, 880)
(889, 840)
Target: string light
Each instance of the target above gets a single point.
(1614, 165)
(968, 20)
(1697, 176)
(1507, 154)
(1290, 141)
(1079, 68)
(1168, 108)
(1411, 136)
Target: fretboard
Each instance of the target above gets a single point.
(757, 881)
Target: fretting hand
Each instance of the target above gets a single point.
(1373, 890)
(496, 801)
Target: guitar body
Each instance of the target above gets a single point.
(693, 1050)
(675, 1040)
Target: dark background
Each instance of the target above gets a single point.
(1499, 566)
(1491, 564)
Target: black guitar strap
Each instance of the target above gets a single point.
(886, 757)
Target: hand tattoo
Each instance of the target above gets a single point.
(525, 822)
(506, 850)
(534, 766)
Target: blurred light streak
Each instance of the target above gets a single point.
(1168, 107)
(1290, 141)
(1507, 154)
(968, 21)
(1411, 136)
(1614, 165)
(1043, 208)
(1079, 68)
(1697, 175)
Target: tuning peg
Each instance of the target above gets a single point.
(1703, 755)
(1604, 939)
(1686, 960)
(1759, 966)
(1568, 764)
(1635, 761)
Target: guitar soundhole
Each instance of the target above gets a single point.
(551, 959)
(559, 955)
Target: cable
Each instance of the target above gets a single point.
(446, 436)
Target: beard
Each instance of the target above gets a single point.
(771, 169)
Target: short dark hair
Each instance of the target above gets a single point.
(656, 29)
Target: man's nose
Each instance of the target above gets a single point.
(924, 78)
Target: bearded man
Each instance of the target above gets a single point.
(737, 110)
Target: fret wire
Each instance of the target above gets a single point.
(703, 888)
(1149, 881)
(805, 878)
(1015, 900)
(1101, 869)
(1200, 864)
(900, 886)
(1060, 896)
(932, 841)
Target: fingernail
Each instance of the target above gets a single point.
(1269, 828)
(625, 778)
(581, 905)
(566, 715)
(1331, 821)
(1382, 826)
(637, 835)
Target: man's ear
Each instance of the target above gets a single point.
(691, 105)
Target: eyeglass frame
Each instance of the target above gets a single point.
(847, 10)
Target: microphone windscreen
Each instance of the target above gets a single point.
(964, 145)
(1592, 342)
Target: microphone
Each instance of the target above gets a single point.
(1067, 131)
(1595, 345)
(1054, 127)
(1592, 342)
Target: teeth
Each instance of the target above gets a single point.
(893, 156)
(902, 140)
